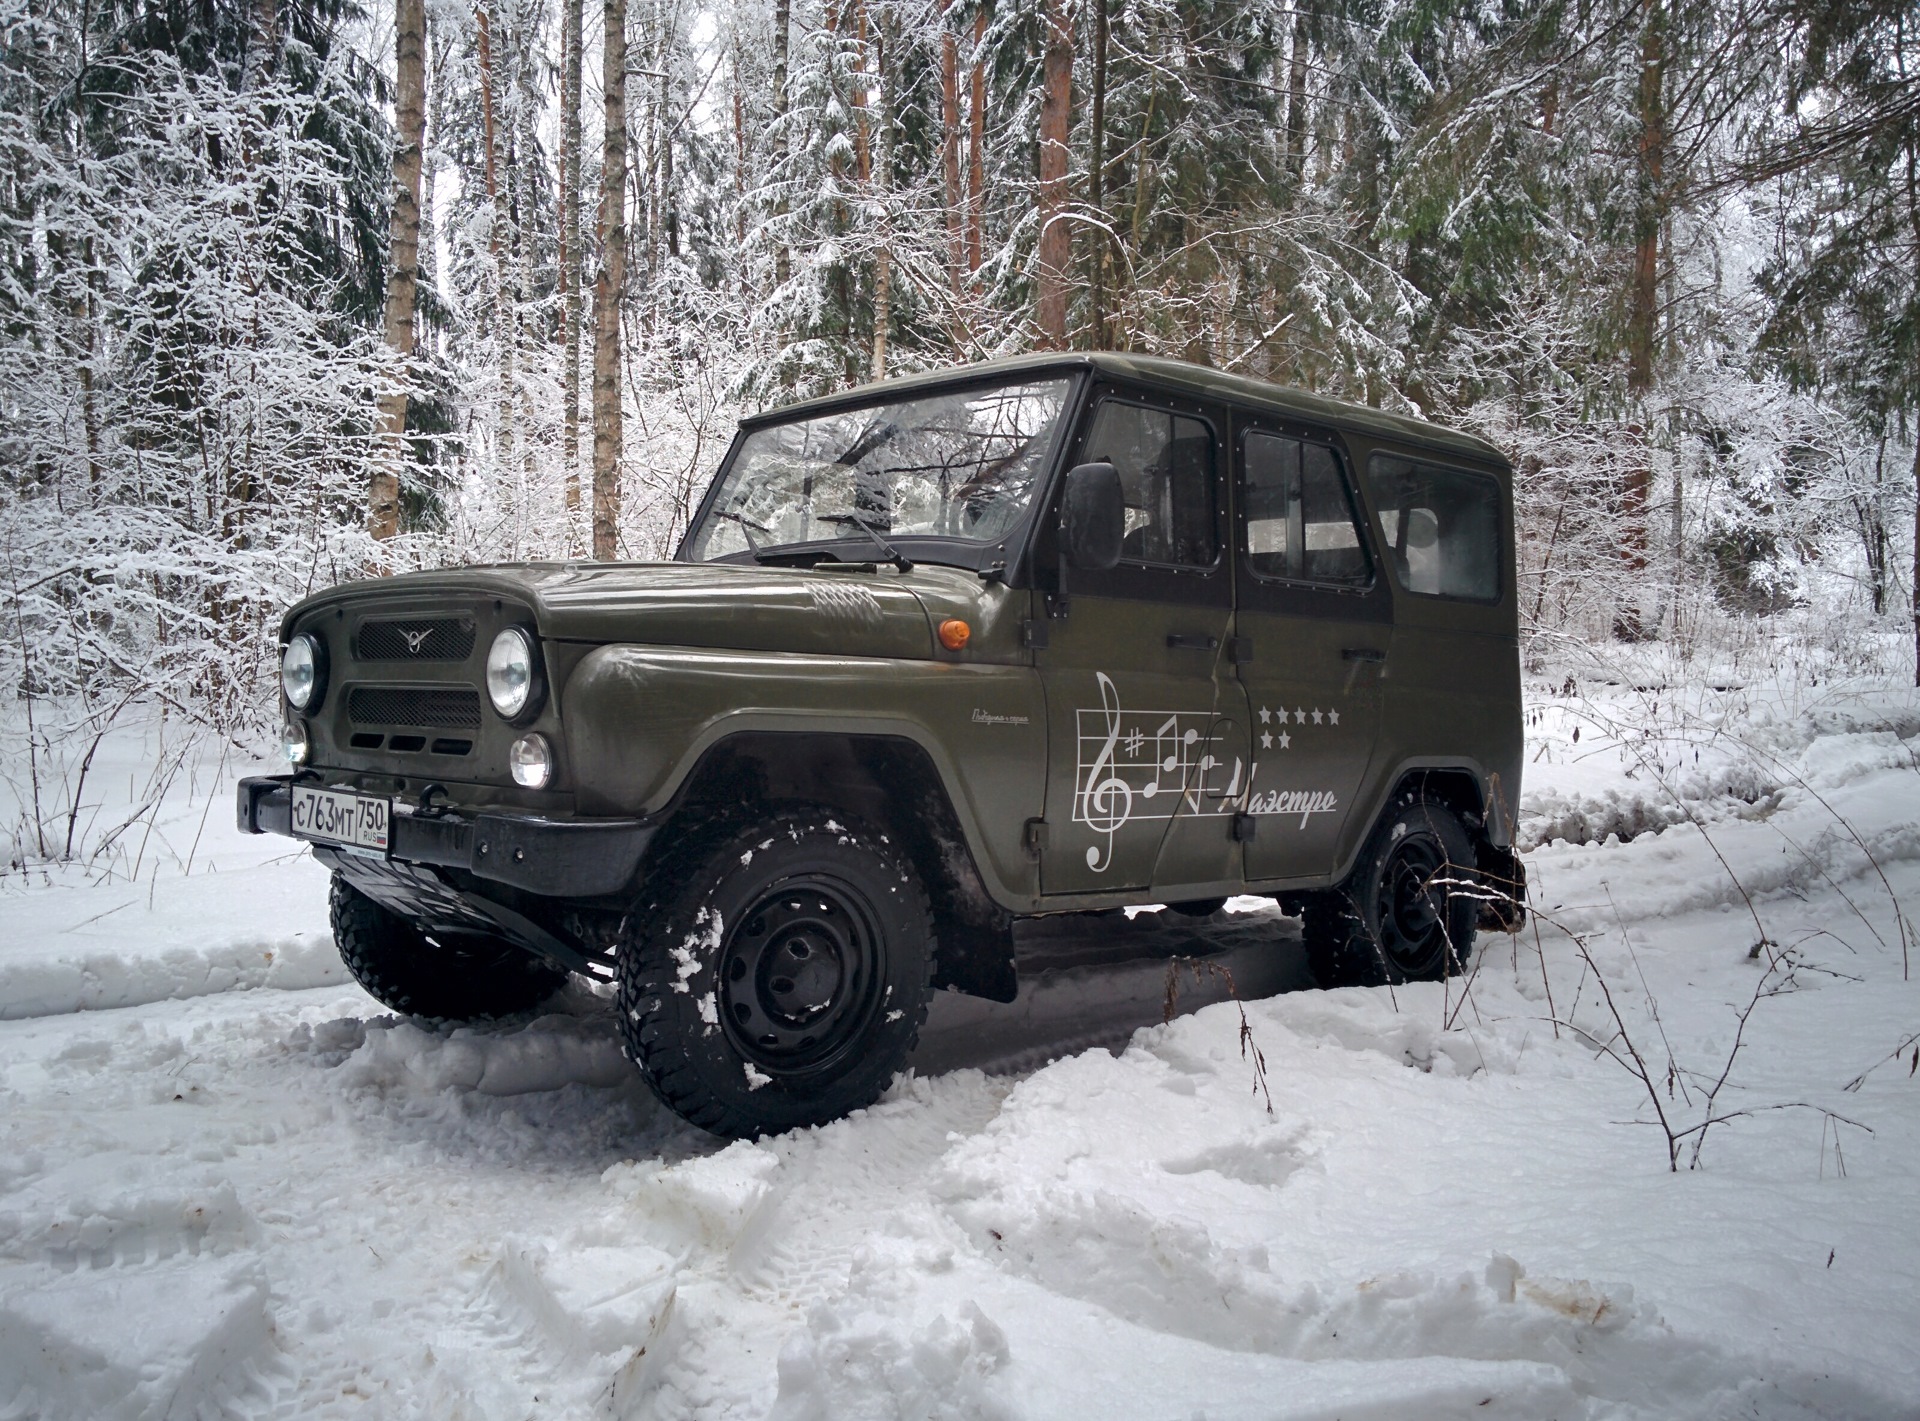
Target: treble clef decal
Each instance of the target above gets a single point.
(1106, 800)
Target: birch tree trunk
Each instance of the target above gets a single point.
(782, 28)
(570, 85)
(1056, 117)
(882, 163)
(608, 287)
(403, 247)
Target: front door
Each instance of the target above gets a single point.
(1315, 619)
(1139, 734)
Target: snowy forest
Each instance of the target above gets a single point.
(295, 291)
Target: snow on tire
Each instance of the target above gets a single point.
(778, 976)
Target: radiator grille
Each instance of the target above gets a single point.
(415, 639)
(455, 708)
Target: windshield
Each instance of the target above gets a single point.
(959, 464)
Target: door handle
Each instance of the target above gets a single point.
(1363, 653)
(1181, 640)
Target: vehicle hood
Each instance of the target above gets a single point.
(720, 605)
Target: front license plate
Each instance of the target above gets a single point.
(333, 816)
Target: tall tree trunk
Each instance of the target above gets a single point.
(741, 161)
(1914, 586)
(436, 50)
(608, 283)
(403, 256)
(669, 214)
(950, 162)
(497, 247)
(1055, 248)
(782, 29)
(1102, 246)
(570, 88)
(882, 162)
(263, 42)
(977, 143)
(1297, 99)
(1636, 489)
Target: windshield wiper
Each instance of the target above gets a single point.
(887, 550)
(747, 525)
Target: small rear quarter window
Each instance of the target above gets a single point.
(1439, 527)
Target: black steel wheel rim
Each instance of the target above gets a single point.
(1412, 906)
(800, 976)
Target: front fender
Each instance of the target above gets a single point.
(639, 718)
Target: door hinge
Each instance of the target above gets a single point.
(1243, 828)
(1240, 650)
(1036, 837)
(1033, 635)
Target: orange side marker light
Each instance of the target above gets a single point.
(954, 634)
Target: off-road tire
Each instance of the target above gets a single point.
(775, 974)
(1199, 907)
(1402, 915)
(465, 979)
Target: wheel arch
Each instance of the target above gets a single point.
(888, 781)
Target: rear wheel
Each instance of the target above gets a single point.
(460, 979)
(1199, 907)
(1407, 912)
(778, 976)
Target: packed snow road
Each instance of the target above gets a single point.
(230, 1185)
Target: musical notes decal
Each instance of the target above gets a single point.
(1137, 767)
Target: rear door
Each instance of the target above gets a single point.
(1315, 618)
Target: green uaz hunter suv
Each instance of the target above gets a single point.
(1052, 634)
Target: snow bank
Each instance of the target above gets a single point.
(107, 945)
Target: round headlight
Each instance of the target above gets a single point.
(512, 673)
(294, 744)
(532, 761)
(303, 671)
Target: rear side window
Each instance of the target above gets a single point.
(1440, 527)
(1165, 463)
(1300, 514)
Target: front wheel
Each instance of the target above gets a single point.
(778, 976)
(1408, 910)
(457, 979)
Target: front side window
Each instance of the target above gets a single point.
(1440, 527)
(961, 465)
(1300, 514)
(1165, 463)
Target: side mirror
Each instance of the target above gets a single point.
(1093, 517)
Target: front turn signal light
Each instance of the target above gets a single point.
(954, 634)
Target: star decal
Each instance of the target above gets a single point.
(1285, 740)
(1316, 715)
(1266, 740)
(1263, 715)
(1333, 717)
(1299, 716)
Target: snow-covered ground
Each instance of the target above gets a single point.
(230, 1184)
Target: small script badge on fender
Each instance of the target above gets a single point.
(415, 639)
(981, 717)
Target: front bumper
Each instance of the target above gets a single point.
(556, 858)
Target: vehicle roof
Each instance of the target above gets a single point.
(1196, 380)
